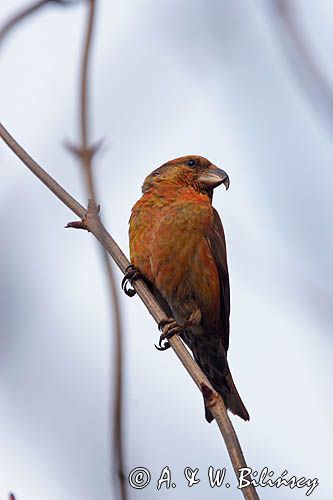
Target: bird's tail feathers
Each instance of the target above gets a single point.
(235, 404)
(211, 357)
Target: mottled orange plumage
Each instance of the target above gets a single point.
(177, 242)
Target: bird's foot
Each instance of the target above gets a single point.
(131, 274)
(169, 328)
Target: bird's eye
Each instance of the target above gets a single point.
(191, 162)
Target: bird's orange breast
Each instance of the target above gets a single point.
(168, 243)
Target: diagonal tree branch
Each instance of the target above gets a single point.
(85, 153)
(94, 225)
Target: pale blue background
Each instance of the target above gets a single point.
(169, 78)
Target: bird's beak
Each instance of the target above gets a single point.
(214, 177)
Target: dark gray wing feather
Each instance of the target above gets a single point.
(217, 243)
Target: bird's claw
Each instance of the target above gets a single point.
(161, 346)
(131, 274)
(169, 327)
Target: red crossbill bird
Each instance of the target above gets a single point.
(177, 243)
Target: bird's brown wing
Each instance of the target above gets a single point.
(217, 243)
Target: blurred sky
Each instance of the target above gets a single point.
(168, 78)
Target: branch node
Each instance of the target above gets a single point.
(78, 224)
(84, 154)
(91, 213)
(210, 397)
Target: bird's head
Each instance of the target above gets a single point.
(195, 171)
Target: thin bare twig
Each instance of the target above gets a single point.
(85, 152)
(214, 400)
(20, 16)
(302, 61)
(26, 12)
